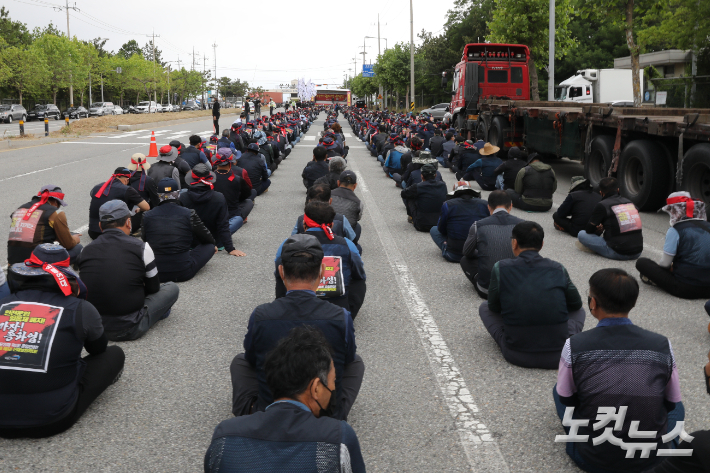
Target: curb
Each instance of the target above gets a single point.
(10, 144)
(143, 126)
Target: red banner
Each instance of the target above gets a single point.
(342, 97)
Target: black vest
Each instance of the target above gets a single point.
(37, 397)
(161, 170)
(692, 259)
(629, 243)
(168, 230)
(23, 238)
(117, 191)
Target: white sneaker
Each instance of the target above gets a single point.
(580, 246)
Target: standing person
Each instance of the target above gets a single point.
(49, 399)
(216, 107)
(210, 206)
(141, 181)
(180, 241)
(533, 306)
(247, 111)
(488, 242)
(535, 185)
(576, 210)
(272, 106)
(116, 188)
(621, 367)
(41, 221)
(122, 277)
(424, 199)
(293, 434)
(509, 169)
(614, 229)
(458, 214)
(683, 268)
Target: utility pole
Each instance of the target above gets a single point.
(411, 50)
(204, 69)
(379, 52)
(66, 7)
(551, 57)
(216, 84)
(155, 89)
(193, 59)
(355, 66)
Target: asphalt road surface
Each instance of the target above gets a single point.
(35, 127)
(437, 394)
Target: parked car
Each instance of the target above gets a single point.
(75, 112)
(191, 105)
(437, 111)
(168, 107)
(117, 110)
(11, 112)
(100, 109)
(40, 111)
(147, 107)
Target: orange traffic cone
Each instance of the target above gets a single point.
(153, 152)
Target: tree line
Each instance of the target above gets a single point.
(589, 35)
(39, 66)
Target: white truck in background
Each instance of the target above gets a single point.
(598, 86)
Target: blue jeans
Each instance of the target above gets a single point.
(381, 159)
(499, 182)
(600, 247)
(235, 223)
(676, 415)
(4, 291)
(440, 241)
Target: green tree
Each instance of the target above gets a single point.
(58, 52)
(527, 22)
(14, 33)
(28, 70)
(148, 53)
(129, 49)
(392, 69)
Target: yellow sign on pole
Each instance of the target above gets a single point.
(411, 106)
(379, 97)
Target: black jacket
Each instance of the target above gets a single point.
(313, 171)
(427, 197)
(510, 169)
(578, 206)
(253, 163)
(436, 145)
(628, 243)
(211, 207)
(233, 188)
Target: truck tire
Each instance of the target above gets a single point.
(696, 172)
(497, 132)
(481, 129)
(643, 174)
(597, 163)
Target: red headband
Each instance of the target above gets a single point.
(689, 204)
(310, 223)
(59, 276)
(43, 200)
(202, 180)
(108, 184)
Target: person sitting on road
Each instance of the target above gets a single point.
(424, 199)
(301, 268)
(483, 170)
(683, 268)
(116, 188)
(397, 159)
(236, 190)
(699, 462)
(345, 202)
(318, 221)
(41, 221)
(455, 153)
(436, 145)
(255, 165)
(413, 173)
(378, 141)
(535, 185)
(533, 306)
(293, 434)
(192, 154)
(614, 229)
(336, 166)
(121, 276)
(458, 214)
(621, 367)
(488, 242)
(508, 171)
(166, 166)
(341, 225)
(210, 206)
(316, 168)
(576, 210)
(446, 149)
(467, 154)
(49, 399)
(180, 241)
(141, 181)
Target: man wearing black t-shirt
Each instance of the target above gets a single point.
(235, 189)
(115, 188)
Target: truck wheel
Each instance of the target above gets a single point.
(597, 163)
(496, 135)
(481, 130)
(696, 172)
(643, 174)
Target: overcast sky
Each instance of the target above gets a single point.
(265, 43)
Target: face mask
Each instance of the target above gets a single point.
(331, 407)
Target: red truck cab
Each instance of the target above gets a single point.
(488, 70)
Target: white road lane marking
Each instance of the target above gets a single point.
(309, 138)
(81, 229)
(101, 143)
(347, 135)
(480, 447)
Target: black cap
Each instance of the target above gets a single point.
(347, 177)
(168, 184)
(428, 170)
(122, 170)
(298, 246)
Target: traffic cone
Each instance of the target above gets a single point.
(153, 152)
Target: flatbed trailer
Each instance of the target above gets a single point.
(652, 151)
